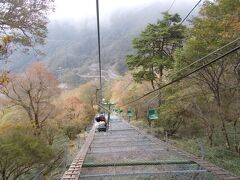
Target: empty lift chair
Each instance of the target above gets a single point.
(129, 114)
(152, 113)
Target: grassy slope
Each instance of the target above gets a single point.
(218, 155)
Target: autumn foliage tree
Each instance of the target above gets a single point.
(216, 26)
(88, 93)
(33, 92)
(74, 114)
(124, 90)
(73, 106)
(24, 22)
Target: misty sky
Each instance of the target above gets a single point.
(77, 10)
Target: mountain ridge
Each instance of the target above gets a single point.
(71, 50)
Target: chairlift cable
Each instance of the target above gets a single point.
(171, 5)
(197, 61)
(201, 59)
(186, 75)
(179, 24)
(190, 12)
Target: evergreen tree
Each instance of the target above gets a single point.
(154, 49)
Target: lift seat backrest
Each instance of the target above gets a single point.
(152, 114)
(129, 113)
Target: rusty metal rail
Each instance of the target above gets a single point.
(136, 163)
(74, 170)
(130, 175)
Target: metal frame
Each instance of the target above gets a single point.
(127, 145)
(125, 151)
(177, 172)
(74, 170)
(136, 163)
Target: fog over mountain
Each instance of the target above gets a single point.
(71, 46)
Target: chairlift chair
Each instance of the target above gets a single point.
(152, 111)
(152, 114)
(129, 113)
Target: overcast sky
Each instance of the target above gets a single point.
(76, 10)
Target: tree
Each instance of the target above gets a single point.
(20, 152)
(124, 90)
(73, 107)
(154, 49)
(23, 22)
(88, 93)
(215, 27)
(50, 130)
(77, 115)
(74, 114)
(4, 46)
(175, 109)
(33, 92)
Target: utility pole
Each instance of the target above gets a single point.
(109, 109)
(99, 52)
(96, 94)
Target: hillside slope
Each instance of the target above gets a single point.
(71, 49)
